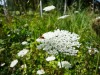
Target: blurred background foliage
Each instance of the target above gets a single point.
(26, 5)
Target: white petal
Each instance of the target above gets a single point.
(13, 63)
(50, 58)
(23, 52)
(49, 8)
(40, 72)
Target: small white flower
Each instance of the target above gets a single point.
(8, 35)
(0, 20)
(76, 12)
(49, 8)
(50, 58)
(92, 50)
(39, 40)
(64, 64)
(63, 17)
(24, 43)
(23, 52)
(23, 66)
(99, 67)
(13, 63)
(2, 64)
(25, 25)
(97, 18)
(40, 72)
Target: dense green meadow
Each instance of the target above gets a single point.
(27, 28)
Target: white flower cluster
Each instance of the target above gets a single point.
(76, 12)
(99, 67)
(59, 41)
(92, 51)
(24, 43)
(49, 8)
(64, 64)
(50, 58)
(97, 18)
(2, 64)
(23, 52)
(40, 72)
(23, 66)
(20, 54)
(13, 63)
(63, 17)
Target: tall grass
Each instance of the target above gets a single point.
(29, 28)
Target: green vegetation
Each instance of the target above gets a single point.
(28, 28)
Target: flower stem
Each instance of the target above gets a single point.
(60, 59)
(97, 64)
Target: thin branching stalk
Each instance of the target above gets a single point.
(97, 63)
(93, 7)
(79, 5)
(61, 70)
(60, 59)
(41, 8)
(65, 5)
(5, 10)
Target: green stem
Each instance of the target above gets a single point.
(97, 64)
(60, 59)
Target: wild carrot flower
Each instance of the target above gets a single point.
(2, 64)
(40, 72)
(97, 17)
(59, 41)
(23, 52)
(8, 35)
(99, 67)
(92, 51)
(63, 17)
(13, 63)
(23, 66)
(64, 64)
(50, 58)
(49, 8)
(24, 43)
(76, 12)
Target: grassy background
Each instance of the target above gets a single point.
(30, 27)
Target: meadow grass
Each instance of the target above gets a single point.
(29, 28)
